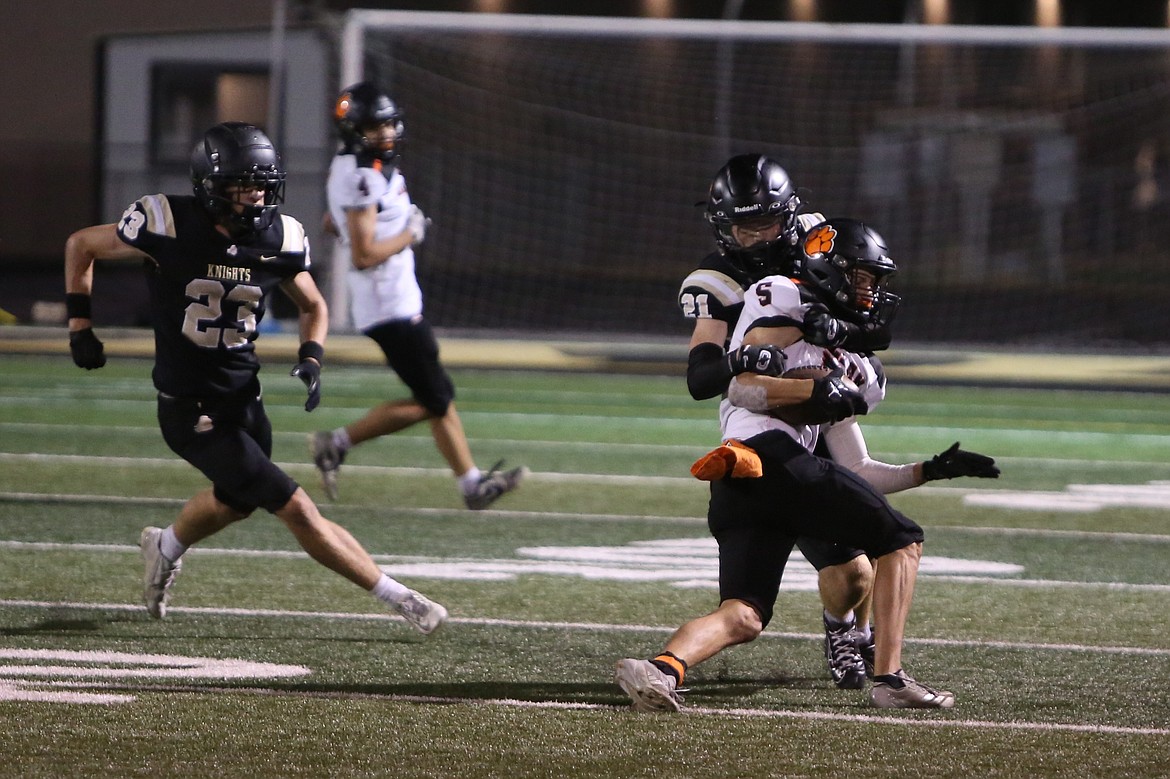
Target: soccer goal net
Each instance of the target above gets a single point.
(1019, 175)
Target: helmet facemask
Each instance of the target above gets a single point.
(844, 263)
(381, 147)
(753, 191)
(232, 211)
(237, 156)
(362, 108)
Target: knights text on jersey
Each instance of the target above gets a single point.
(389, 290)
(207, 291)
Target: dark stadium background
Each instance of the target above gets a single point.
(50, 169)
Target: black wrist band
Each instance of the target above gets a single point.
(311, 349)
(77, 306)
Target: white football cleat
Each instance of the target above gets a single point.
(649, 688)
(160, 573)
(421, 612)
(911, 695)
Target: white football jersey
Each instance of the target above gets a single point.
(775, 302)
(389, 290)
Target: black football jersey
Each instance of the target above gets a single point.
(207, 291)
(714, 290)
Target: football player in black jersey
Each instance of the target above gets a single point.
(756, 217)
(211, 259)
(755, 534)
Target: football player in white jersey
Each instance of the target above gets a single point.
(755, 215)
(373, 215)
(211, 258)
(757, 518)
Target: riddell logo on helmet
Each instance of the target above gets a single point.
(752, 207)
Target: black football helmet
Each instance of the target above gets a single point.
(753, 187)
(834, 255)
(360, 107)
(237, 154)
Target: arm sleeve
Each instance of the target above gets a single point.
(847, 446)
(868, 341)
(708, 371)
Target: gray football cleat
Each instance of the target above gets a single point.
(648, 687)
(160, 573)
(493, 485)
(421, 612)
(911, 695)
(327, 457)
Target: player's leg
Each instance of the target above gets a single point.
(654, 684)
(327, 542)
(844, 578)
(833, 503)
(864, 635)
(752, 556)
(451, 441)
(334, 547)
(329, 447)
(414, 355)
(894, 577)
(384, 419)
(212, 444)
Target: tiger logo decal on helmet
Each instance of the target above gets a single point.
(820, 240)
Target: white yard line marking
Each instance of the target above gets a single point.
(1026, 646)
(21, 678)
(402, 437)
(158, 462)
(656, 560)
(573, 516)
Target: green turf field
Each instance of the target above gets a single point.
(1041, 603)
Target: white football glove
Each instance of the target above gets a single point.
(417, 223)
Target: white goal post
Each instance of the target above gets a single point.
(561, 158)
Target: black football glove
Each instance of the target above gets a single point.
(836, 400)
(87, 350)
(763, 360)
(955, 462)
(821, 328)
(309, 371)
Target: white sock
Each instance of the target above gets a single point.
(169, 544)
(390, 590)
(864, 632)
(833, 622)
(341, 440)
(469, 480)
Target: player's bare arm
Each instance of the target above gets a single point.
(81, 249)
(314, 324)
(365, 250)
(778, 391)
(709, 331)
(314, 313)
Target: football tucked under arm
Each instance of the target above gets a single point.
(832, 397)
